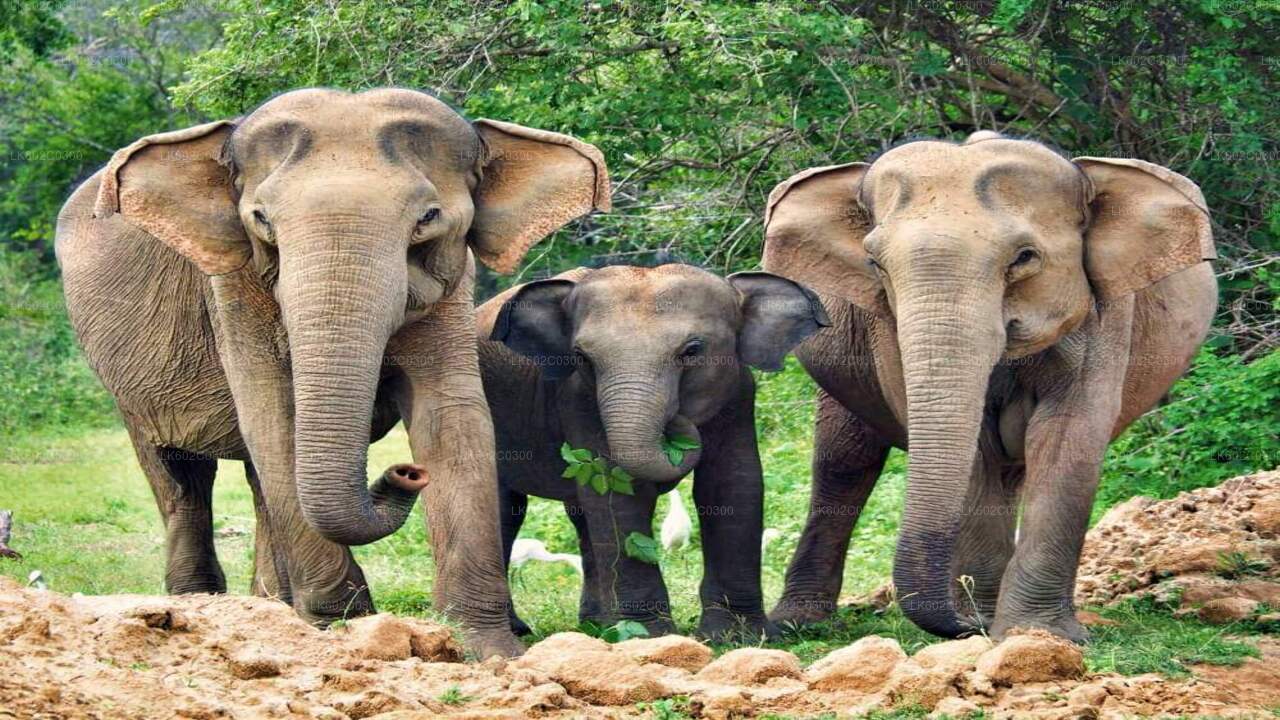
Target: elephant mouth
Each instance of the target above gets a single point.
(668, 457)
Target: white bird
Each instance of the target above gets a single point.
(768, 536)
(525, 549)
(36, 580)
(676, 526)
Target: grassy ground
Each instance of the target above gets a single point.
(86, 521)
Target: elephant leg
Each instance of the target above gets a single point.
(1066, 439)
(986, 539)
(591, 606)
(631, 589)
(182, 484)
(270, 563)
(847, 459)
(441, 398)
(512, 505)
(728, 494)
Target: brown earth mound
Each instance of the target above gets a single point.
(243, 657)
(131, 656)
(1214, 551)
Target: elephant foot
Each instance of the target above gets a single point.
(518, 626)
(719, 625)
(322, 610)
(1063, 625)
(484, 644)
(796, 612)
(408, 477)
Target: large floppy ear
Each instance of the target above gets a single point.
(176, 187)
(533, 182)
(535, 323)
(777, 314)
(1147, 223)
(813, 231)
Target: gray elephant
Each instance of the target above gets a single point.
(251, 289)
(1004, 312)
(613, 360)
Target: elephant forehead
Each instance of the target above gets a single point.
(388, 124)
(668, 292)
(996, 175)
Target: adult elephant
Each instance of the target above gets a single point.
(252, 288)
(1005, 313)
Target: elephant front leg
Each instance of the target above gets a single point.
(728, 494)
(628, 588)
(847, 459)
(1066, 440)
(451, 434)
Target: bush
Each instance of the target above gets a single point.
(47, 384)
(1222, 419)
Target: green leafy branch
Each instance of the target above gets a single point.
(676, 446)
(588, 469)
(642, 547)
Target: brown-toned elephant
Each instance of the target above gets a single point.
(284, 287)
(1004, 313)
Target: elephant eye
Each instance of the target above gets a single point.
(261, 218)
(692, 349)
(429, 216)
(1025, 255)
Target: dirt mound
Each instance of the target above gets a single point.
(1213, 551)
(243, 657)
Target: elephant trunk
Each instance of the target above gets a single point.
(949, 347)
(637, 409)
(341, 301)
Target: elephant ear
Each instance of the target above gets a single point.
(777, 315)
(534, 323)
(176, 187)
(1148, 223)
(814, 227)
(532, 183)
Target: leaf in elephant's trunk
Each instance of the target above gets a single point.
(676, 446)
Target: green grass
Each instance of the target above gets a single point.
(85, 519)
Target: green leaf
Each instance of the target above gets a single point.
(581, 455)
(623, 630)
(599, 484)
(570, 471)
(674, 455)
(566, 454)
(642, 548)
(683, 442)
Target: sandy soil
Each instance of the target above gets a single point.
(131, 656)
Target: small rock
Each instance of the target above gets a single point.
(912, 685)
(380, 637)
(1035, 656)
(1228, 610)
(1089, 695)
(955, 707)
(863, 666)
(432, 642)
(751, 666)
(1264, 516)
(591, 671)
(251, 662)
(953, 656)
(674, 651)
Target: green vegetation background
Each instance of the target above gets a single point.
(700, 107)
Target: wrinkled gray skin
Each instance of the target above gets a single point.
(612, 360)
(1002, 312)
(248, 289)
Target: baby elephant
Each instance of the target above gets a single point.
(647, 370)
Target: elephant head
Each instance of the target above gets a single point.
(977, 253)
(356, 212)
(657, 351)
